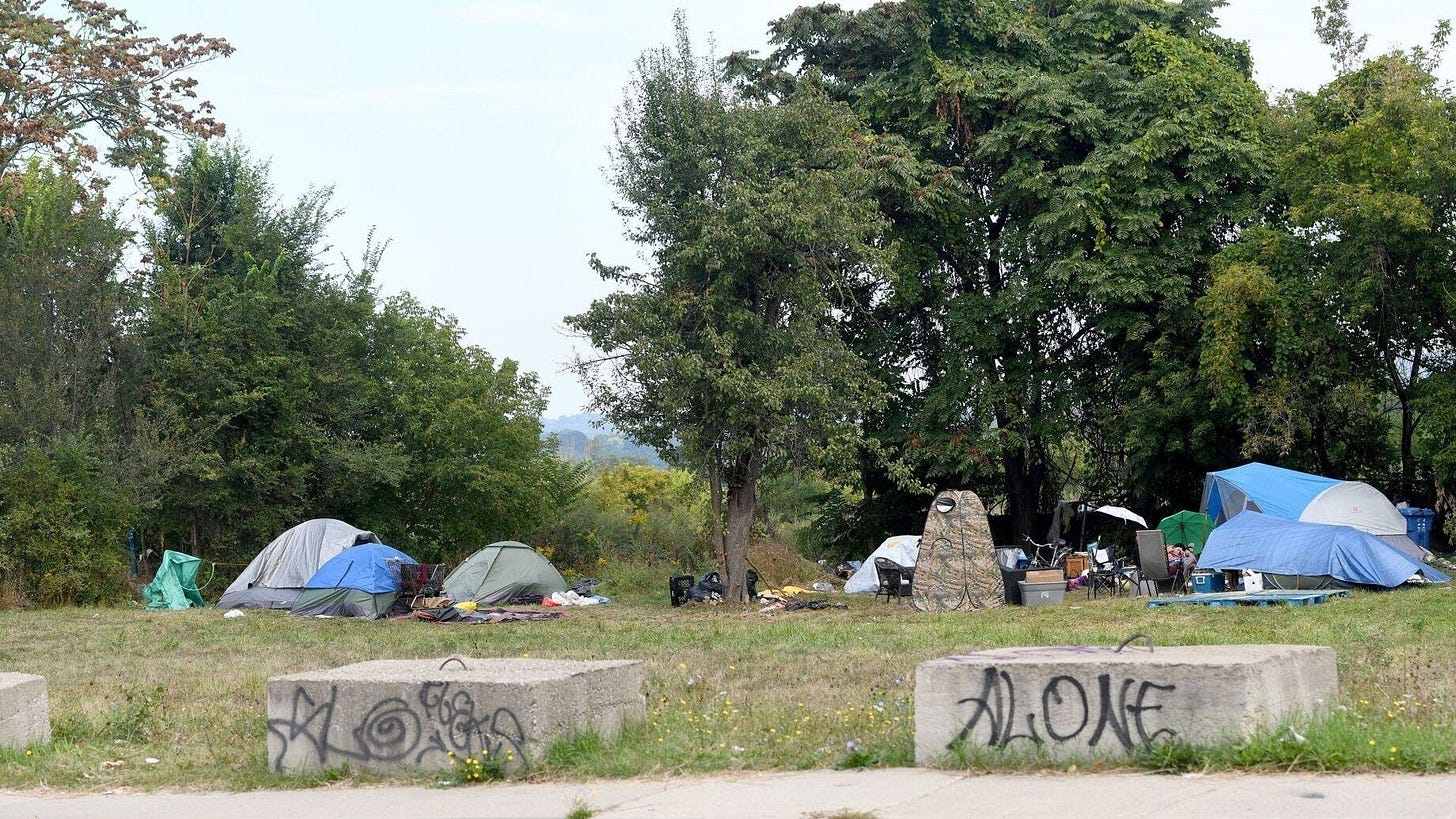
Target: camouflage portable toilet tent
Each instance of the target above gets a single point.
(957, 570)
(502, 571)
(276, 576)
(175, 585)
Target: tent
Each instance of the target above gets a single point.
(358, 582)
(175, 584)
(1265, 543)
(956, 569)
(903, 549)
(1188, 528)
(1285, 493)
(502, 571)
(276, 576)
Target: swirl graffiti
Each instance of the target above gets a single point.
(442, 719)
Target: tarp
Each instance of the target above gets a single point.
(903, 549)
(1265, 543)
(502, 571)
(175, 584)
(276, 576)
(1292, 495)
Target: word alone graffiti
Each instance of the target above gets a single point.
(1065, 709)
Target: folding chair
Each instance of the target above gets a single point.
(1153, 563)
(895, 580)
(1105, 573)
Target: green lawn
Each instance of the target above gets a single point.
(727, 688)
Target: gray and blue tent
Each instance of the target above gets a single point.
(360, 582)
(276, 576)
(1310, 551)
(1300, 496)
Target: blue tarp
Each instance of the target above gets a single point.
(1273, 490)
(1277, 546)
(370, 567)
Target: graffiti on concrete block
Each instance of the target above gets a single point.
(441, 719)
(1065, 710)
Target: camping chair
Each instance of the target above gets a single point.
(678, 586)
(1153, 563)
(895, 580)
(1105, 573)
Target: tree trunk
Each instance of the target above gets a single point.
(742, 485)
(1023, 488)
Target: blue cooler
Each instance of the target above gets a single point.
(1418, 525)
(1207, 581)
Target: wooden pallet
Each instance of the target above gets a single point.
(1259, 598)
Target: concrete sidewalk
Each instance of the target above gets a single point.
(908, 793)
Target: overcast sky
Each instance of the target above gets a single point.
(472, 133)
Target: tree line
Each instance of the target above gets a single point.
(1038, 249)
(210, 379)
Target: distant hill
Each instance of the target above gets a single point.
(580, 439)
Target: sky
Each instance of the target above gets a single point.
(472, 134)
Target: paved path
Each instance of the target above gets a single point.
(911, 793)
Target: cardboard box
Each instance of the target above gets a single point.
(1042, 594)
(1045, 576)
(1076, 565)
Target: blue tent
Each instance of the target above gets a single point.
(1276, 546)
(359, 582)
(1273, 490)
(1285, 493)
(371, 567)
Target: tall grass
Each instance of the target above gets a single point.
(727, 688)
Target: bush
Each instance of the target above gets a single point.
(630, 512)
(62, 523)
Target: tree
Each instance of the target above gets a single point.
(1354, 265)
(60, 305)
(1078, 162)
(761, 222)
(92, 68)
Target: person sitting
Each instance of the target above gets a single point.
(1181, 560)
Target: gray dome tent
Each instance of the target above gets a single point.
(276, 576)
(502, 571)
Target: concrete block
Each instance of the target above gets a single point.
(393, 715)
(25, 710)
(1075, 702)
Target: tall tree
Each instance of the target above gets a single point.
(1356, 261)
(761, 222)
(90, 70)
(1099, 153)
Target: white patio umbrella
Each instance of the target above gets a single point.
(1123, 514)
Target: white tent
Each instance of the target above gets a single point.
(277, 575)
(903, 549)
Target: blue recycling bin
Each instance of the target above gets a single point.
(1418, 525)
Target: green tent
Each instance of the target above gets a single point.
(1188, 528)
(502, 571)
(175, 586)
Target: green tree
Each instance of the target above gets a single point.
(761, 222)
(1078, 162)
(60, 306)
(474, 468)
(1351, 273)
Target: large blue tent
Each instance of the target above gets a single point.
(1292, 495)
(1274, 545)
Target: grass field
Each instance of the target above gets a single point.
(727, 688)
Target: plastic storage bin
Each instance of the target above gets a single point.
(1042, 594)
(1418, 525)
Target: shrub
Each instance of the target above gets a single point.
(62, 521)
